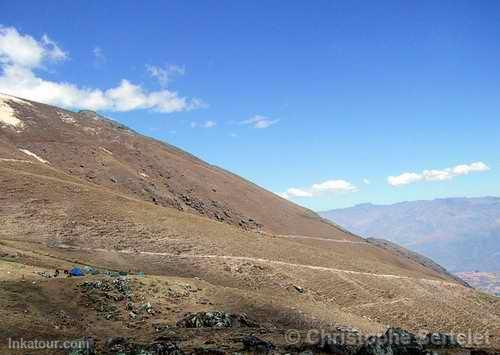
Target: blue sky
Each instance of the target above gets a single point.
(314, 97)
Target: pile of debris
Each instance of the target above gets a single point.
(120, 345)
(143, 309)
(102, 293)
(120, 285)
(215, 320)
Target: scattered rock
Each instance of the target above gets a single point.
(117, 344)
(147, 308)
(84, 346)
(403, 342)
(45, 274)
(395, 341)
(163, 348)
(440, 340)
(374, 346)
(299, 289)
(338, 344)
(208, 351)
(215, 320)
(160, 326)
(120, 345)
(206, 320)
(256, 345)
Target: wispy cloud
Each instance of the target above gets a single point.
(437, 175)
(366, 181)
(319, 189)
(52, 50)
(165, 75)
(259, 121)
(22, 55)
(206, 124)
(99, 57)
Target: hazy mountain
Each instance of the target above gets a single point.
(462, 234)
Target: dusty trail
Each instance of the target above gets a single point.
(321, 239)
(15, 160)
(260, 260)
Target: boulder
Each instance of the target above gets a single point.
(215, 320)
(395, 341)
(440, 340)
(206, 320)
(338, 344)
(404, 342)
(374, 346)
(84, 346)
(121, 345)
(256, 345)
(164, 348)
(117, 344)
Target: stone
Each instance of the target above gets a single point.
(256, 345)
(299, 289)
(440, 340)
(117, 344)
(215, 320)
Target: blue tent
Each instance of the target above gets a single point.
(76, 271)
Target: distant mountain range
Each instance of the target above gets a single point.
(462, 234)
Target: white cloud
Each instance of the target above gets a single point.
(366, 181)
(26, 51)
(466, 169)
(319, 189)
(259, 121)
(21, 56)
(295, 192)
(437, 175)
(165, 75)
(206, 124)
(99, 57)
(333, 186)
(404, 179)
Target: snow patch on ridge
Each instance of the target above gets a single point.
(25, 151)
(7, 113)
(14, 99)
(65, 117)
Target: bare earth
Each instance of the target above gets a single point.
(204, 238)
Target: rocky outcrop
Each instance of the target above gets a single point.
(215, 320)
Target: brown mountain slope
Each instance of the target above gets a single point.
(55, 214)
(53, 220)
(108, 154)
